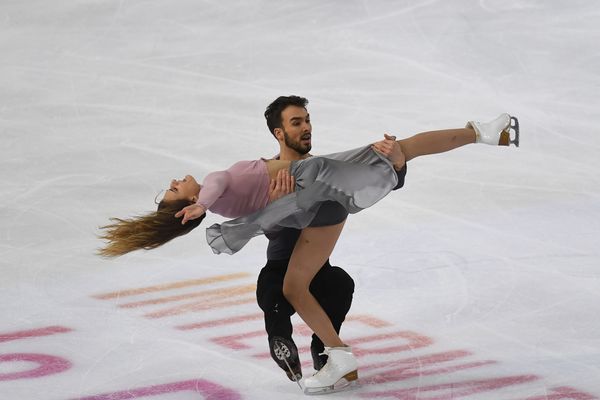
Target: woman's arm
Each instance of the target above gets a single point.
(190, 212)
(213, 187)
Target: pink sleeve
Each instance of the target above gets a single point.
(213, 187)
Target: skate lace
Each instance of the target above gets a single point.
(325, 352)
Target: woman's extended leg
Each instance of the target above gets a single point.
(434, 142)
(496, 132)
(313, 248)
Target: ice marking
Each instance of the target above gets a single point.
(170, 286)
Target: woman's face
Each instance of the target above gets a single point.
(184, 189)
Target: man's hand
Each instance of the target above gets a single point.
(191, 212)
(283, 184)
(390, 148)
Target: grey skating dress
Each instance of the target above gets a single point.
(356, 179)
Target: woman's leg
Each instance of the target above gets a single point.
(313, 248)
(434, 142)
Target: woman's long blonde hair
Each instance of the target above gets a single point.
(147, 231)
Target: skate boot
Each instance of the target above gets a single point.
(339, 372)
(497, 132)
(285, 354)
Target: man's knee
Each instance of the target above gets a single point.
(273, 300)
(334, 290)
(346, 283)
(332, 280)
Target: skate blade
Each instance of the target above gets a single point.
(348, 382)
(296, 378)
(514, 125)
(505, 135)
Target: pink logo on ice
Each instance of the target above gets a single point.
(209, 390)
(43, 364)
(46, 365)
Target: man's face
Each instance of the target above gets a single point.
(296, 129)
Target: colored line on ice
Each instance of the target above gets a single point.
(199, 306)
(50, 330)
(170, 286)
(220, 322)
(213, 294)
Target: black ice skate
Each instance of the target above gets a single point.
(285, 354)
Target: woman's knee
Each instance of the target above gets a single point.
(294, 291)
(290, 291)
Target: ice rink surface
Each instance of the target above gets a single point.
(480, 279)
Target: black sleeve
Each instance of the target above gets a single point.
(401, 175)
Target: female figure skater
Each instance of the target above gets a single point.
(356, 179)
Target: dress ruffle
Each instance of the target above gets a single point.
(356, 179)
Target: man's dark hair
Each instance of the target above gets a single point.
(274, 110)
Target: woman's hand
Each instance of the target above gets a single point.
(390, 148)
(283, 184)
(191, 212)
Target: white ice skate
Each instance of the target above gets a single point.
(497, 132)
(339, 373)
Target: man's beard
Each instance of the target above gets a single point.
(296, 146)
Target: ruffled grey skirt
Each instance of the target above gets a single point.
(356, 179)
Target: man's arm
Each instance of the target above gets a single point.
(283, 184)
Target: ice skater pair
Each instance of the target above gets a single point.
(364, 177)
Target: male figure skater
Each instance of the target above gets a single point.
(289, 122)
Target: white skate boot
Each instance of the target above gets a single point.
(339, 372)
(497, 132)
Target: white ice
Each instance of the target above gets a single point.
(489, 256)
